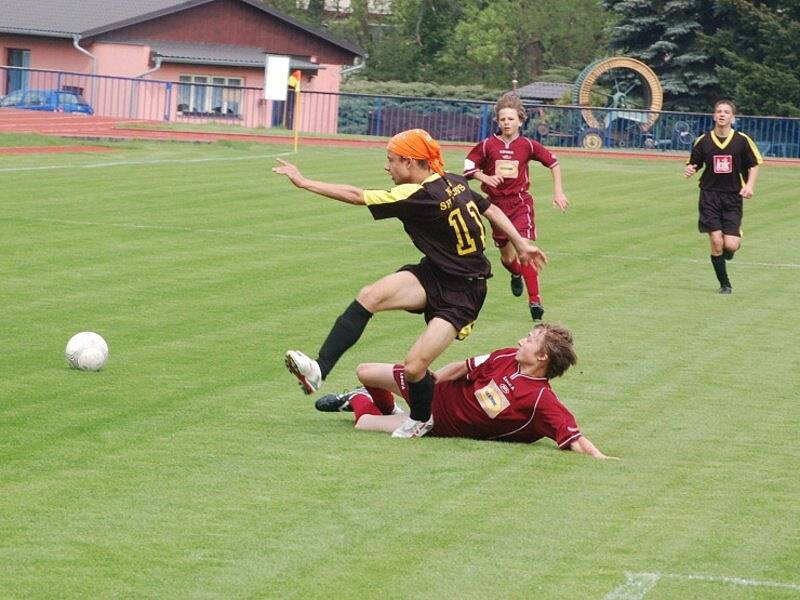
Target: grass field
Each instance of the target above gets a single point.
(192, 467)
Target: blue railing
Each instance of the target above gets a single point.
(373, 115)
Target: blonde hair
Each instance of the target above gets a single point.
(510, 100)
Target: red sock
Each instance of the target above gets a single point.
(531, 276)
(363, 405)
(515, 268)
(383, 399)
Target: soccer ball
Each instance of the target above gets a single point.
(86, 351)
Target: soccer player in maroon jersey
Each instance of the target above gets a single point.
(731, 162)
(505, 395)
(443, 218)
(500, 163)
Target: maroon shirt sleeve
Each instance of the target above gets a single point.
(555, 421)
(543, 155)
(477, 156)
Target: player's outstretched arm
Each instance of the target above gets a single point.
(525, 251)
(559, 197)
(338, 191)
(583, 446)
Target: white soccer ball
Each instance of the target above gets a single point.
(86, 351)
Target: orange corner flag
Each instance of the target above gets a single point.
(294, 79)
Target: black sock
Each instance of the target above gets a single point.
(721, 270)
(420, 396)
(345, 332)
(727, 254)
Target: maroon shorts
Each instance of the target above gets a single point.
(457, 300)
(519, 210)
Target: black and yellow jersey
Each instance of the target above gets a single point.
(442, 216)
(726, 160)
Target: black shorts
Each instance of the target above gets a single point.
(720, 211)
(457, 300)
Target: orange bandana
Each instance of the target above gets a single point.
(418, 144)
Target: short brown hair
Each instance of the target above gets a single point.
(558, 345)
(510, 100)
(727, 101)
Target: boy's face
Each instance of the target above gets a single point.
(723, 114)
(531, 347)
(509, 122)
(397, 167)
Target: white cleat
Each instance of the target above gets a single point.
(305, 369)
(411, 428)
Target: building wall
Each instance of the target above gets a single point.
(227, 21)
(46, 53)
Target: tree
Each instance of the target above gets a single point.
(757, 55)
(517, 39)
(665, 35)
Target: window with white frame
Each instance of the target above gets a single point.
(209, 95)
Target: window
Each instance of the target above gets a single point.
(206, 95)
(17, 79)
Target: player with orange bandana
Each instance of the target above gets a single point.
(441, 215)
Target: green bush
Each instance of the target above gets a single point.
(420, 89)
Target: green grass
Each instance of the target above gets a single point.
(191, 467)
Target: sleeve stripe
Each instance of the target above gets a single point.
(753, 147)
(570, 439)
(396, 194)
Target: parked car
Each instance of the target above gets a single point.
(52, 100)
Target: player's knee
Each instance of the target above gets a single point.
(363, 373)
(415, 368)
(368, 298)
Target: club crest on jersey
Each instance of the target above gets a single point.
(723, 163)
(492, 399)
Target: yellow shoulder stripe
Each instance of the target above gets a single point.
(396, 194)
(753, 147)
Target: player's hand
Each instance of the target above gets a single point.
(689, 170)
(492, 180)
(532, 254)
(746, 192)
(291, 171)
(560, 201)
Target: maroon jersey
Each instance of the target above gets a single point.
(494, 156)
(494, 401)
(442, 216)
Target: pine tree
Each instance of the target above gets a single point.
(666, 35)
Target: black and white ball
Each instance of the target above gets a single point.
(86, 351)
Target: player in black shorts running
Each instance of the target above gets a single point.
(731, 162)
(442, 216)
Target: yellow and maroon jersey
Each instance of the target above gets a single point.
(494, 156)
(726, 161)
(442, 216)
(495, 401)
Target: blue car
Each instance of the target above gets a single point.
(51, 100)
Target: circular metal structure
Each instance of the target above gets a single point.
(619, 83)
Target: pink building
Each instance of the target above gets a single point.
(121, 53)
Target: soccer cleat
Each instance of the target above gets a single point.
(516, 285)
(305, 369)
(411, 428)
(537, 311)
(338, 402)
(726, 289)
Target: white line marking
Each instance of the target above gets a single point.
(158, 161)
(637, 585)
(398, 241)
(673, 259)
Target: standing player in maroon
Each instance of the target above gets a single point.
(500, 163)
(504, 396)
